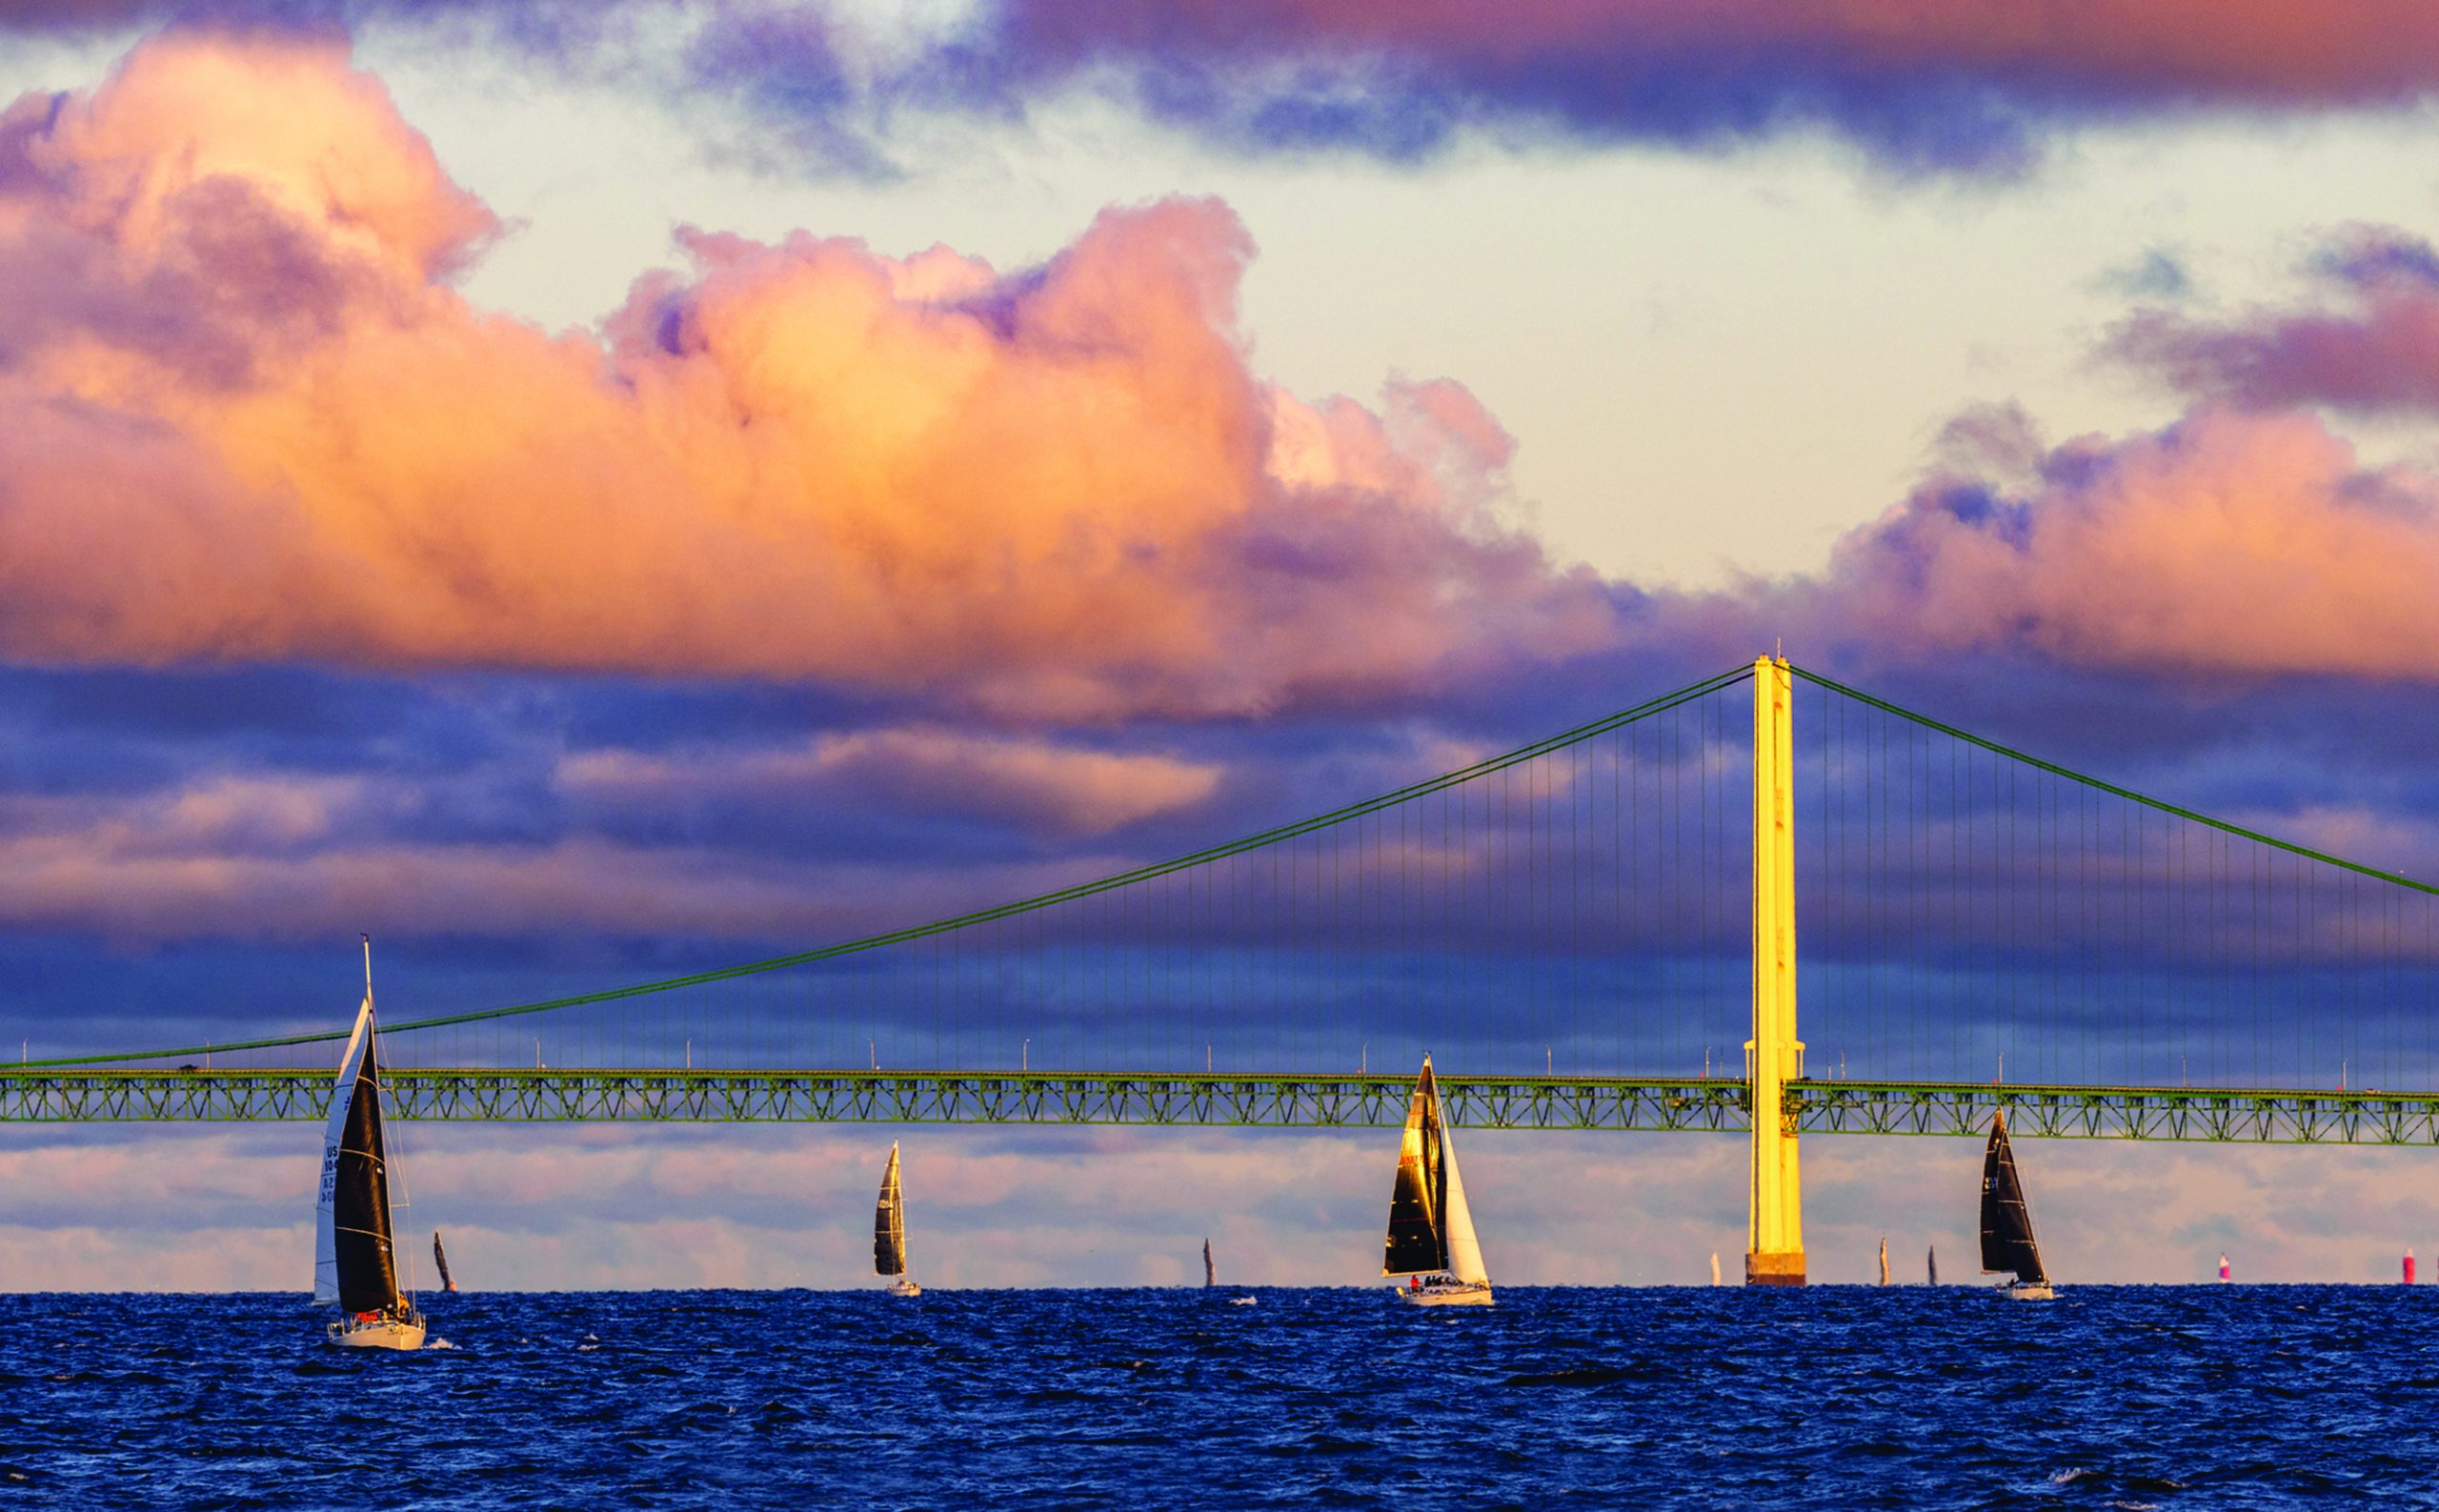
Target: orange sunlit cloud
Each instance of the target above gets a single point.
(1060, 489)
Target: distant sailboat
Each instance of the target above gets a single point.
(2408, 1265)
(1714, 1267)
(1934, 1265)
(354, 1265)
(889, 1231)
(1884, 1260)
(440, 1258)
(1210, 1276)
(2006, 1222)
(2226, 1272)
(1431, 1230)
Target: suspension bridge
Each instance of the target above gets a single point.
(1598, 929)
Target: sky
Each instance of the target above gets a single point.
(591, 492)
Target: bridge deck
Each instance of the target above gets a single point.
(1623, 1103)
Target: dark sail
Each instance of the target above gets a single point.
(1419, 1203)
(1209, 1274)
(440, 1260)
(2006, 1225)
(360, 1200)
(889, 1223)
(1935, 1264)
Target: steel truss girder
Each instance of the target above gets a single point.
(1619, 1103)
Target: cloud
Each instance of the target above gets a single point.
(2226, 543)
(1059, 489)
(1919, 85)
(2376, 351)
(1038, 785)
(194, 864)
(2158, 273)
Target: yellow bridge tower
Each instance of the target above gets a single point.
(1774, 1230)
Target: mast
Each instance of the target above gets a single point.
(2006, 1222)
(889, 1222)
(1418, 1241)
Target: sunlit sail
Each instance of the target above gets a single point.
(440, 1262)
(1431, 1229)
(889, 1233)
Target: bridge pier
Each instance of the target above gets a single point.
(1774, 1228)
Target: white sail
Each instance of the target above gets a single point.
(326, 1240)
(1465, 1251)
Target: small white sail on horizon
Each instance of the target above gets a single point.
(1431, 1226)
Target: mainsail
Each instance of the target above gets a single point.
(1210, 1276)
(889, 1223)
(1417, 1242)
(2007, 1223)
(1935, 1264)
(440, 1261)
(354, 1267)
(1431, 1228)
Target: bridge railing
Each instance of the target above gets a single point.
(1656, 1105)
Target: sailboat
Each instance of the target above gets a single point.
(354, 1265)
(1884, 1260)
(889, 1231)
(440, 1260)
(1934, 1262)
(1210, 1275)
(2006, 1222)
(1431, 1230)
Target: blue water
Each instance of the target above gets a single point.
(2128, 1397)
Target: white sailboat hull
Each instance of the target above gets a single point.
(388, 1333)
(1447, 1293)
(902, 1287)
(2027, 1292)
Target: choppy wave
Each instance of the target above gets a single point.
(2127, 1397)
